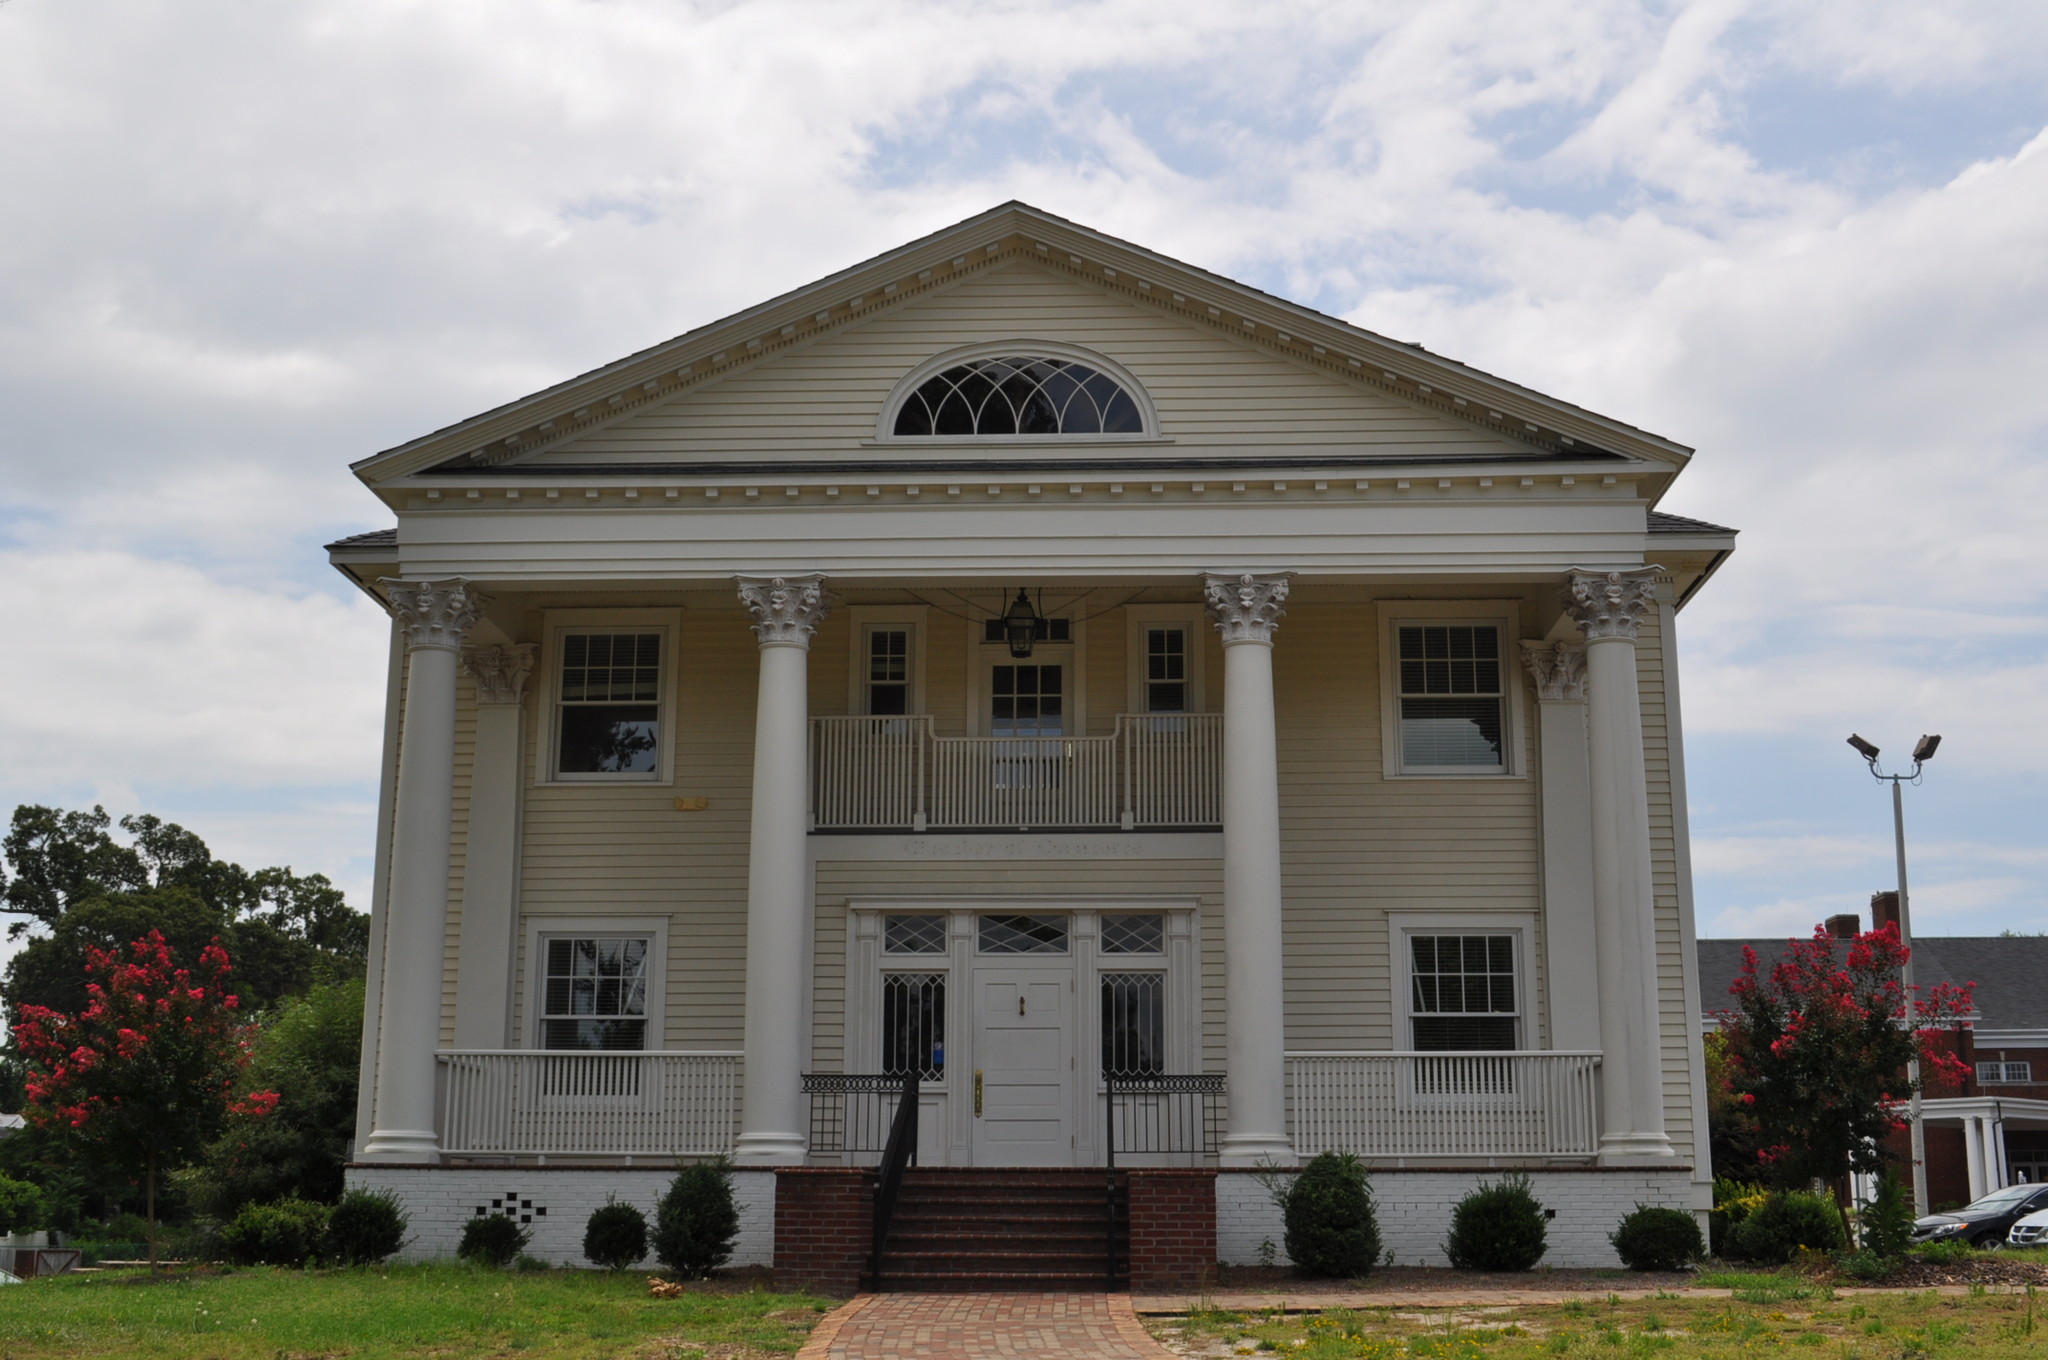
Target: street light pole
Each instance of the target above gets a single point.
(1922, 753)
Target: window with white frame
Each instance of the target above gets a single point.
(914, 1025)
(1464, 991)
(887, 670)
(594, 993)
(1451, 688)
(2005, 1073)
(1166, 669)
(608, 703)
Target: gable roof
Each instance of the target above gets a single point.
(1012, 231)
(2011, 973)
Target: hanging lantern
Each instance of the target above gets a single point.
(1020, 625)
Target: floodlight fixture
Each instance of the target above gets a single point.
(1925, 750)
(1863, 748)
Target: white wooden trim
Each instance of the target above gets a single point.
(557, 623)
(542, 928)
(1504, 614)
(860, 618)
(1148, 414)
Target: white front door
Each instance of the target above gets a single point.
(1024, 1065)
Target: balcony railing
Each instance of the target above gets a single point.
(894, 774)
(524, 1102)
(1435, 1105)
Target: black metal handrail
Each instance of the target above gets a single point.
(1182, 1115)
(851, 1113)
(900, 1153)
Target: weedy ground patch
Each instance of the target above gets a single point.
(451, 1312)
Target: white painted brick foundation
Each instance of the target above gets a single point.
(438, 1200)
(1414, 1210)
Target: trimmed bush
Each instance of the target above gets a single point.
(290, 1233)
(616, 1236)
(493, 1240)
(1497, 1227)
(1331, 1229)
(697, 1221)
(365, 1227)
(21, 1207)
(1774, 1233)
(1654, 1238)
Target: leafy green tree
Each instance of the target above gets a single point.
(307, 1053)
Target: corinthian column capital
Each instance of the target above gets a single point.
(1610, 604)
(1557, 668)
(1246, 608)
(433, 613)
(500, 672)
(786, 609)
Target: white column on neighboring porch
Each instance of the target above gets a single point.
(1570, 944)
(2001, 1168)
(1608, 607)
(786, 610)
(1973, 1154)
(1245, 610)
(490, 875)
(433, 615)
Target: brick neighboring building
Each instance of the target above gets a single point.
(1994, 1130)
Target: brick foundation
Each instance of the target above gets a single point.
(1173, 1229)
(824, 1225)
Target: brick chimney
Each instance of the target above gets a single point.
(1846, 926)
(1884, 910)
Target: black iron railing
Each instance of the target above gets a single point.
(1177, 1116)
(851, 1115)
(899, 1154)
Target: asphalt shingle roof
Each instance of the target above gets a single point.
(376, 538)
(2011, 973)
(1661, 523)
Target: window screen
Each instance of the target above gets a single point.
(595, 994)
(609, 703)
(1451, 696)
(1463, 993)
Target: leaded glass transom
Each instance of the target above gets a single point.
(913, 934)
(1133, 934)
(1023, 934)
(1018, 394)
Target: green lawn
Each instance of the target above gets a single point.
(1775, 1316)
(451, 1312)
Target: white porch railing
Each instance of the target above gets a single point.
(1427, 1105)
(526, 1102)
(895, 774)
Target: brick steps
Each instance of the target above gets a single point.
(997, 1228)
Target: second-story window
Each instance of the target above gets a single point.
(888, 672)
(1166, 670)
(1452, 697)
(608, 704)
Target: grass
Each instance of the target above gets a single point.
(1917, 1326)
(452, 1312)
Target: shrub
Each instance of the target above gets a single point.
(1497, 1227)
(1331, 1230)
(1773, 1234)
(1862, 1265)
(1887, 1221)
(616, 1236)
(21, 1207)
(696, 1221)
(1733, 1202)
(1655, 1238)
(493, 1240)
(288, 1233)
(365, 1227)
(1951, 1251)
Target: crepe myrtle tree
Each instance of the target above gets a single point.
(142, 1078)
(1815, 1053)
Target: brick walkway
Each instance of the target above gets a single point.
(973, 1326)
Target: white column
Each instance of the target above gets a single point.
(786, 610)
(1973, 1152)
(490, 877)
(1607, 606)
(1571, 947)
(433, 615)
(1245, 610)
(2001, 1169)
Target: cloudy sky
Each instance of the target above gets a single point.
(243, 243)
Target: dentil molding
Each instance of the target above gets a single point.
(500, 672)
(1558, 669)
(1610, 604)
(433, 613)
(1246, 608)
(786, 609)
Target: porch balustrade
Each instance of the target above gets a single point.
(896, 774)
(1436, 1105)
(524, 1102)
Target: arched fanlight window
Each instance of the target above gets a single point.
(1018, 394)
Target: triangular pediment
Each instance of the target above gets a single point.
(1232, 374)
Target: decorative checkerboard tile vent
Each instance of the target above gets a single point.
(514, 1206)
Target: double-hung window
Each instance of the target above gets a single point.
(594, 993)
(1464, 992)
(608, 703)
(1450, 692)
(2005, 1073)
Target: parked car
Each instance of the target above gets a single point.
(1985, 1222)
(2031, 1231)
